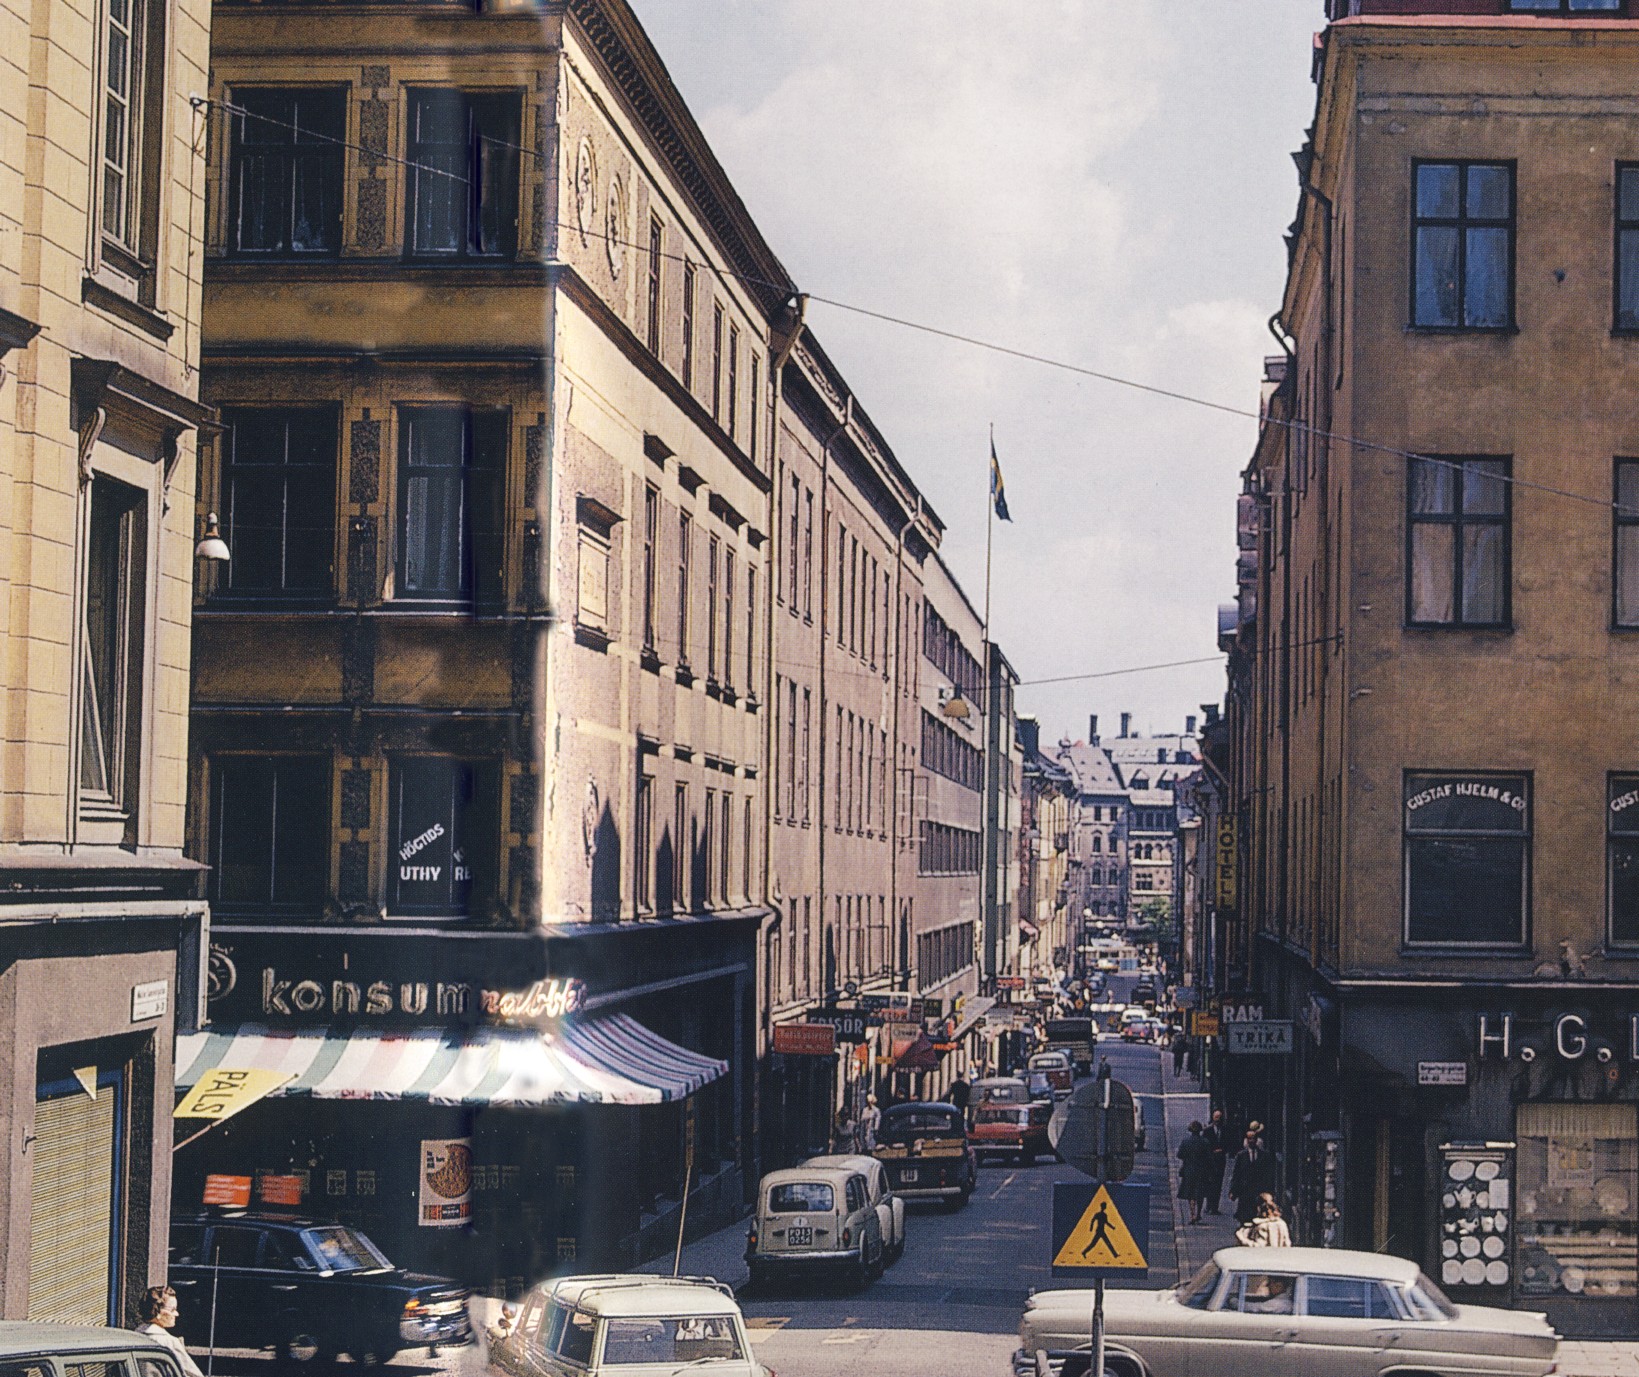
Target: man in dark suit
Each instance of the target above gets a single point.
(1254, 1174)
(1217, 1141)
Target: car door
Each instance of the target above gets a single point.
(1254, 1331)
(1350, 1325)
(228, 1300)
(888, 1209)
(296, 1291)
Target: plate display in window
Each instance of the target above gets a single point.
(1487, 1171)
(1461, 1169)
(1496, 1273)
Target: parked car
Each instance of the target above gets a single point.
(1018, 1131)
(600, 1326)
(879, 1193)
(1056, 1067)
(1288, 1312)
(924, 1147)
(1141, 1030)
(1076, 1036)
(308, 1289)
(39, 1350)
(815, 1219)
(1144, 993)
(999, 1090)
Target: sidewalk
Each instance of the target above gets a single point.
(719, 1255)
(1184, 1101)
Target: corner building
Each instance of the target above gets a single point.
(480, 700)
(1438, 782)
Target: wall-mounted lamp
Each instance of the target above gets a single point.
(211, 545)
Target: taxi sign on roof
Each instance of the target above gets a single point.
(1100, 1230)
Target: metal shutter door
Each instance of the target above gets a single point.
(70, 1235)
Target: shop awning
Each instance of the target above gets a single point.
(913, 1051)
(608, 1060)
(1028, 931)
(973, 1010)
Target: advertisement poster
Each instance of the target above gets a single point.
(446, 1182)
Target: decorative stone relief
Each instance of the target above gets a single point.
(361, 559)
(522, 804)
(586, 188)
(372, 214)
(354, 881)
(364, 461)
(355, 798)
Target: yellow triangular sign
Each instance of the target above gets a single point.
(87, 1077)
(1101, 1238)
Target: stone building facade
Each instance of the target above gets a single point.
(101, 213)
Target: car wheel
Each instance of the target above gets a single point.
(300, 1347)
(1117, 1366)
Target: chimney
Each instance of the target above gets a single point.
(1211, 711)
(1092, 729)
(1126, 724)
(1189, 724)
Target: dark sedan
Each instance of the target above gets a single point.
(308, 1289)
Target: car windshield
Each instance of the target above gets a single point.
(340, 1249)
(1001, 1092)
(1196, 1293)
(901, 1125)
(1428, 1302)
(795, 1197)
(691, 1340)
(1000, 1114)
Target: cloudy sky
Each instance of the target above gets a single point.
(1102, 182)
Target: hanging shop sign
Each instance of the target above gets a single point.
(1224, 864)
(277, 1189)
(446, 1183)
(232, 1192)
(851, 1025)
(804, 1040)
(1265, 1038)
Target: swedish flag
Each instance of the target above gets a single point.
(998, 490)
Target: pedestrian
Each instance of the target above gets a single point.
(869, 1122)
(159, 1319)
(845, 1137)
(1180, 1045)
(1218, 1141)
(959, 1093)
(1253, 1174)
(1193, 1158)
(1268, 1227)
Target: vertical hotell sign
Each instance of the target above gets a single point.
(1101, 1229)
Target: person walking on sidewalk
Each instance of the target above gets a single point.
(1180, 1045)
(1193, 1161)
(1254, 1174)
(845, 1136)
(1217, 1140)
(1268, 1227)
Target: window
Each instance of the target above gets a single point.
(807, 705)
(1565, 6)
(728, 619)
(808, 558)
(685, 558)
(1622, 858)
(1457, 529)
(734, 382)
(1467, 860)
(1626, 286)
(462, 151)
(651, 536)
(1261, 1293)
(643, 845)
(756, 407)
(708, 847)
(1348, 1298)
(133, 61)
(112, 640)
(1625, 545)
(680, 848)
(1580, 1164)
(717, 362)
(270, 833)
(725, 848)
(711, 609)
(1463, 245)
(287, 170)
(656, 241)
(441, 836)
(451, 489)
(751, 631)
(279, 501)
(688, 325)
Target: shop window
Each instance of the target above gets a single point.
(270, 833)
(287, 172)
(1565, 6)
(279, 501)
(452, 486)
(112, 643)
(1622, 859)
(1578, 1176)
(462, 154)
(1467, 860)
(441, 836)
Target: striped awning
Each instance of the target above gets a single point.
(608, 1060)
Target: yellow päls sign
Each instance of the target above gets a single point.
(220, 1093)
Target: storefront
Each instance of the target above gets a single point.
(489, 1106)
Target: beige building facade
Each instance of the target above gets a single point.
(101, 215)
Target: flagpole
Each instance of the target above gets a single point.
(990, 522)
(990, 898)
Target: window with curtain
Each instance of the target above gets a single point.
(1458, 560)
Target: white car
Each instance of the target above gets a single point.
(813, 1219)
(1288, 1312)
(598, 1326)
(879, 1194)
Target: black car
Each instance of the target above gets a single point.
(924, 1146)
(307, 1288)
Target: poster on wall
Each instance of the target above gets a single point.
(1476, 1214)
(446, 1182)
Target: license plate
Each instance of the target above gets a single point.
(799, 1238)
(910, 1174)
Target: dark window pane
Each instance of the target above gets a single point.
(234, 1247)
(1486, 284)
(287, 171)
(278, 504)
(1467, 890)
(301, 832)
(1437, 190)
(1596, 6)
(443, 819)
(1488, 193)
(1627, 576)
(1437, 276)
(1624, 881)
(1627, 280)
(244, 831)
(1627, 193)
(1627, 489)
(271, 837)
(1485, 487)
(1431, 573)
(1433, 487)
(464, 174)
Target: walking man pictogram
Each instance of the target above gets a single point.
(1101, 1230)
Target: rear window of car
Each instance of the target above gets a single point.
(798, 1197)
(916, 1123)
(999, 1114)
(701, 1338)
(1349, 1298)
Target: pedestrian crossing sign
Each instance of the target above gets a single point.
(1100, 1229)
